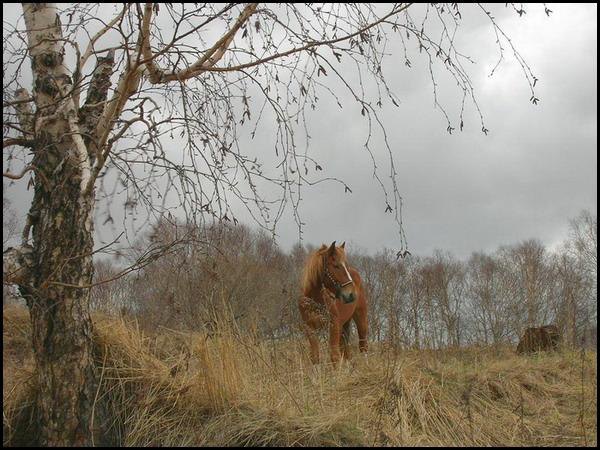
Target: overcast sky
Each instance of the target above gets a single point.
(463, 192)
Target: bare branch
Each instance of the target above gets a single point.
(17, 141)
(95, 103)
(209, 59)
(307, 46)
(90, 47)
(127, 86)
(19, 176)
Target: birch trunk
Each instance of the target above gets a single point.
(62, 236)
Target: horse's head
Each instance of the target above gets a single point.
(336, 275)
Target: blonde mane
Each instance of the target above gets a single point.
(312, 269)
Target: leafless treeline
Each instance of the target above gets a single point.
(419, 302)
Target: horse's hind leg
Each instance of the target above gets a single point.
(360, 318)
(346, 341)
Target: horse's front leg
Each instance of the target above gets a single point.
(334, 340)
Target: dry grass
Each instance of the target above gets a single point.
(191, 389)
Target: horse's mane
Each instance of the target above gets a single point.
(312, 269)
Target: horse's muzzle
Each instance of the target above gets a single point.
(348, 298)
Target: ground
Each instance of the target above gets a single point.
(230, 388)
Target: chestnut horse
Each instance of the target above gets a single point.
(332, 295)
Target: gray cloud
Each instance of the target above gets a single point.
(466, 191)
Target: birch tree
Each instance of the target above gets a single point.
(92, 90)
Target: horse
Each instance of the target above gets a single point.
(332, 294)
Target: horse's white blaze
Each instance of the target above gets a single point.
(347, 273)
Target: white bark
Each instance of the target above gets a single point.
(44, 36)
(43, 29)
(62, 230)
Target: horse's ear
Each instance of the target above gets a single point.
(331, 249)
(343, 244)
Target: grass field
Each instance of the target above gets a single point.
(174, 388)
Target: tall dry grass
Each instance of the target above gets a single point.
(229, 388)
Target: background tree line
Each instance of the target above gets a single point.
(418, 302)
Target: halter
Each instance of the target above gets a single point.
(338, 286)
